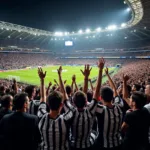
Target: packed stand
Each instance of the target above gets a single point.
(114, 116)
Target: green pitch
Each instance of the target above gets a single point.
(30, 76)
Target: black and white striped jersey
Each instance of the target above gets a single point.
(33, 107)
(109, 123)
(54, 131)
(82, 133)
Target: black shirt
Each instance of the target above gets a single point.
(136, 136)
(3, 112)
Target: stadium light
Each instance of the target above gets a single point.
(88, 30)
(58, 34)
(66, 33)
(80, 31)
(145, 28)
(20, 38)
(112, 27)
(98, 29)
(128, 9)
(9, 37)
(125, 37)
(124, 2)
(123, 25)
(93, 36)
(134, 30)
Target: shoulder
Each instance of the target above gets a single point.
(148, 107)
(30, 117)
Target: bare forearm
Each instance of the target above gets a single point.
(43, 96)
(92, 88)
(98, 85)
(85, 88)
(72, 85)
(76, 86)
(47, 91)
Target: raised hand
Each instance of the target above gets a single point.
(50, 84)
(106, 71)
(86, 71)
(59, 70)
(55, 81)
(125, 78)
(41, 74)
(74, 78)
(65, 81)
(101, 63)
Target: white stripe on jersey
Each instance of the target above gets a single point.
(81, 128)
(54, 131)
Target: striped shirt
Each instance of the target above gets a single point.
(54, 131)
(82, 133)
(109, 123)
(33, 107)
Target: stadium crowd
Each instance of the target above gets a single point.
(113, 116)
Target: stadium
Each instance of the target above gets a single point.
(119, 55)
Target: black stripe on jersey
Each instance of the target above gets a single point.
(47, 132)
(60, 132)
(114, 127)
(94, 103)
(40, 128)
(83, 123)
(108, 129)
(54, 136)
(87, 127)
(118, 125)
(77, 126)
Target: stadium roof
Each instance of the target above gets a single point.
(138, 28)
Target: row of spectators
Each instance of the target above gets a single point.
(10, 61)
(113, 116)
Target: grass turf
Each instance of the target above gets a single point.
(30, 76)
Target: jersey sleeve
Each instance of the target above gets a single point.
(100, 109)
(118, 101)
(42, 110)
(68, 106)
(92, 106)
(68, 115)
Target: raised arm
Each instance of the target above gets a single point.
(49, 85)
(74, 82)
(125, 90)
(101, 64)
(92, 88)
(65, 96)
(56, 82)
(86, 74)
(112, 85)
(15, 86)
(42, 76)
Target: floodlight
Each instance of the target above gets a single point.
(80, 31)
(93, 36)
(123, 25)
(55, 39)
(8, 36)
(125, 37)
(112, 27)
(58, 34)
(66, 33)
(128, 9)
(145, 28)
(20, 38)
(124, 2)
(98, 29)
(88, 30)
(134, 30)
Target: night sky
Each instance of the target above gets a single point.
(64, 15)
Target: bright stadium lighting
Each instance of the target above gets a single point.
(75, 38)
(125, 37)
(55, 39)
(87, 37)
(128, 9)
(9, 37)
(66, 33)
(80, 31)
(2, 28)
(98, 29)
(123, 25)
(7, 29)
(112, 27)
(93, 36)
(124, 2)
(20, 38)
(58, 34)
(88, 30)
(134, 30)
(145, 28)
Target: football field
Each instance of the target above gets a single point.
(31, 76)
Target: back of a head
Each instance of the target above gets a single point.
(29, 90)
(68, 89)
(2, 89)
(137, 86)
(89, 96)
(106, 94)
(140, 99)
(6, 100)
(79, 99)
(20, 100)
(54, 100)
